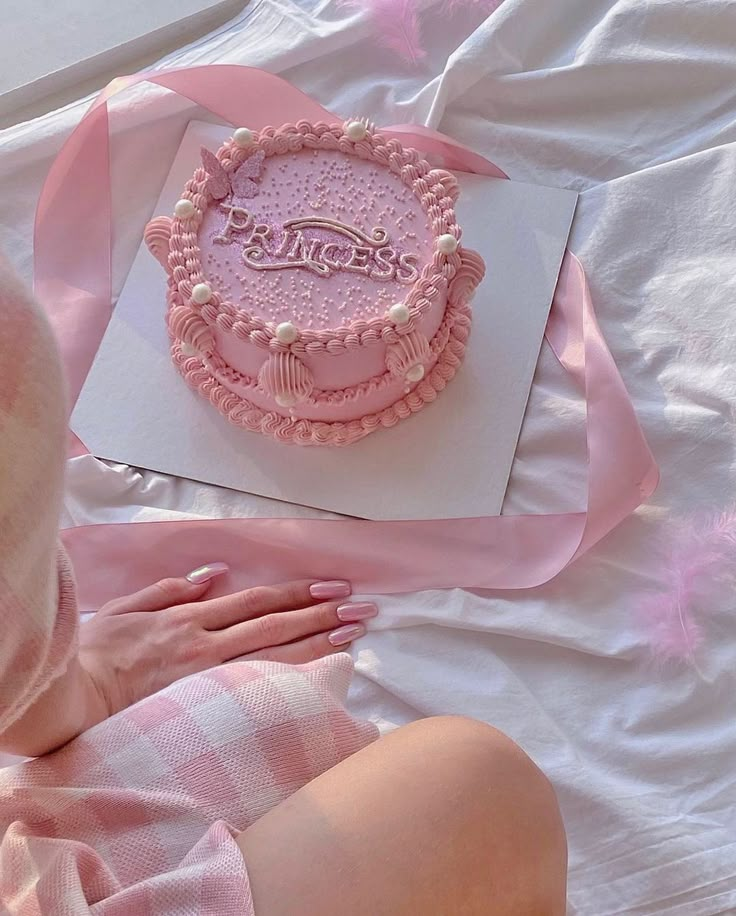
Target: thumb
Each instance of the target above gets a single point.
(169, 592)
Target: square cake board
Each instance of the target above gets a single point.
(450, 460)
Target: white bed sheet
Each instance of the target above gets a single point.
(631, 104)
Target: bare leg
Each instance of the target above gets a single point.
(444, 817)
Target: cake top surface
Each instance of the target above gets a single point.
(312, 235)
(316, 237)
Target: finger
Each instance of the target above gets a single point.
(313, 647)
(169, 592)
(285, 627)
(268, 599)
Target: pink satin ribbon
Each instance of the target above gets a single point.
(73, 281)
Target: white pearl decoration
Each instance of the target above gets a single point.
(201, 293)
(415, 374)
(447, 244)
(285, 400)
(243, 137)
(184, 208)
(399, 313)
(356, 130)
(287, 333)
(188, 350)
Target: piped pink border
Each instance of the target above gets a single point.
(436, 189)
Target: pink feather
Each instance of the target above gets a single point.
(700, 564)
(397, 24)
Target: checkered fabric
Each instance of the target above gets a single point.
(138, 815)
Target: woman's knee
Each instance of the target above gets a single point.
(500, 801)
(476, 747)
(455, 729)
(440, 816)
(478, 753)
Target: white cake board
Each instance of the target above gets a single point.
(451, 460)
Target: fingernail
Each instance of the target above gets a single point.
(205, 573)
(335, 588)
(346, 634)
(361, 610)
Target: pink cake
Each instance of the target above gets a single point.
(317, 287)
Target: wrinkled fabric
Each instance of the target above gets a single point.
(632, 105)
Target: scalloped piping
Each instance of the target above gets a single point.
(243, 413)
(339, 396)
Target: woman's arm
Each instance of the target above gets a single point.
(57, 680)
(38, 615)
(137, 645)
(55, 717)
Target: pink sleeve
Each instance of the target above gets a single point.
(38, 617)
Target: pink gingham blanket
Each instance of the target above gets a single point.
(138, 815)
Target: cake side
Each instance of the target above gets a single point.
(243, 412)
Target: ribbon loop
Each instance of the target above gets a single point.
(73, 232)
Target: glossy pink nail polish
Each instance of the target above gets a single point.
(361, 610)
(335, 588)
(347, 634)
(209, 571)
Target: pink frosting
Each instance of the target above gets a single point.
(471, 271)
(187, 326)
(373, 400)
(331, 371)
(409, 351)
(286, 379)
(241, 407)
(311, 228)
(157, 235)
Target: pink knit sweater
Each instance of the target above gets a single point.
(138, 815)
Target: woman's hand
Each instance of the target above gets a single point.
(137, 645)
